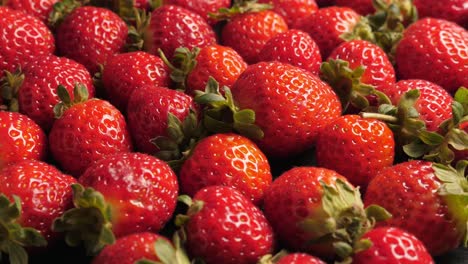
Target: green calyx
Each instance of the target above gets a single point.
(138, 23)
(344, 221)
(346, 82)
(169, 253)
(13, 237)
(193, 208)
(88, 223)
(183, 62)
(10, 84)
(80, 93)
(62, 9)
(180, 140)
(239, 7)
(222, 115)
(272, 259)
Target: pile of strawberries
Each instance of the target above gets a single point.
(201, 131)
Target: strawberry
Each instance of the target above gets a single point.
(223, 226)
(37, 8)
(248, 32)
(39, 193)
(292, 10)
(86, 130)
(90, 35)
(202, 7)
(327, 25)
(393, 245)
(355, 147)
(21, 138)
(126, 72)
(171, 27)
(120, 191)
(230, 160)
(294, 47)
(293, 258)
(453, 10)
(274, 91)
(434, 50)
(436, 213)
(15, 48)
(363, 7)
(148, 113)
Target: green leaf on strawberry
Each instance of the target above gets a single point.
(10, 84)
(239, 7)
(80, 93)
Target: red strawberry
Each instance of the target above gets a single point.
(148, 110)
(37, 95)
(434, 50)
(37, 8)
(294, 47)
(44, 192)
(223, 226)
(202, 7)
(90, 35)
(87, 131)
(172, 27)
(127, 192)
(230, 160)
(291, 106)
(355, 147)
(363, 7)
(247, 33)
(393, 246)
(126, 72)
(22, 37)
(327, 25)
(453, 10)
(292, 10)
(21, 138)
(299, 258)
(436, 213)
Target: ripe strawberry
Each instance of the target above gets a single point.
(294, 47)
(90, 35)
(452, 10)
(202, 7)
(87, 131)
(355, 147)
(21, 138)
(172, 27)
(223, 226)
(120, 191)
(292, 10)
(126, 72)
(435, 214)
(229, 160)
(363, 7)
(248, 32)
(37, 8)
(15, 48)
(434, 50)
(37, 95)
(293, 258)
(148, 110)
(327, 25)
(393, 245)
(274, 91)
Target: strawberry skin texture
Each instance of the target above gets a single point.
(427, 216)
(355, 147)
(327, 25)
(290, 103)
(292, 10)
(379, 71)
(202, 7)
(141, 190)
(37, 8)
(21, 138)
(173, 26)
(129, 249)
(38, 93)
(222, 63)
(247, 33)
(292, 198)
(147, 112)
(230, 160)
(299, 258)
(87, 132)
(294, 47)
(435, 50)
(453, 10)
(228, 228)
(90, 35)
(434, 103)
(44, 191)
(22, 37)
(126, 72)
(393, 246)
